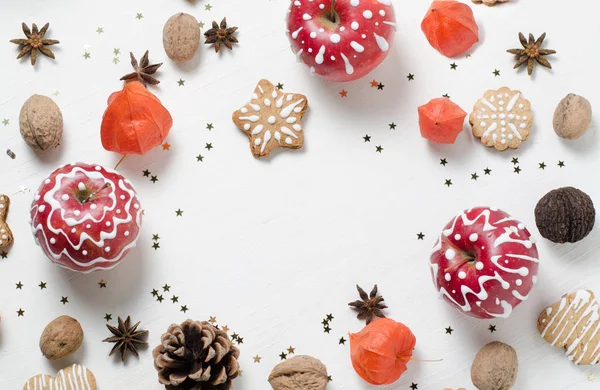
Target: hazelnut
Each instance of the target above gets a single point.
(41, 122)
(181, 37)
(495, 367)
(300, 372)
(572, 117)
(61, 338)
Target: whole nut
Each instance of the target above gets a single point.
(181, 37)
(299, 373)
(61, 337)
(495, 367)
(565, 214)
(572, 117)
(41, 122)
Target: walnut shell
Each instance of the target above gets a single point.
(181, 37)
(61, 338)
(565, 215)
(572, 117)
(495, 367)
(299, 373)
(41, 122)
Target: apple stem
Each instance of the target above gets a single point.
(456, 265)
(120, 161)
(93, 194)
(332, 14)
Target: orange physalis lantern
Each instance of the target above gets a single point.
(135, 121)
(450, 27)
(441, 120)
(381, 350)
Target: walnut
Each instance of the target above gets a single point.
(181, 37)
(565, 215)
(495, 367)
(61, 337)
(489, 3)
(41, 123)
(299, 373)
(572, 117)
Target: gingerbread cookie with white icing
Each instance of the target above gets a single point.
(573, 323)
(272, 119)
(74, 377)
(502, 118)
(6, 236)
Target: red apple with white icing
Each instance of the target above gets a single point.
(341, 40)
(86, 217)
(484, 263)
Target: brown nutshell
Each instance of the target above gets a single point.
(299, 373)
(181, 37)
(41, 123)
(61, 337)
(572, 116)
(565, 215)
(495, 367)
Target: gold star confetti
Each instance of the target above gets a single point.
(291, 350)
(257, 359)
(212, 320)
(591, 377)
(225, 328)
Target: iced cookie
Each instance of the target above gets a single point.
(502, 119)
(573, 323)
(6, 237)
(272, 119)
(74, 377)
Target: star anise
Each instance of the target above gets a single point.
(143, 70)
(531, 52)
(221, 35)
(35, 41)
(370, 306)
(126, 338)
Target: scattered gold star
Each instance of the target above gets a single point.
(291, 350)
(212, 320)
(591, 377)
(257, 359)
(225, 328)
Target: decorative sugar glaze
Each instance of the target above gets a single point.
(504, 268)
(574, 324)
(364, 40)
(75, 377)
(86, 236)
(272, 119)
(502, 118)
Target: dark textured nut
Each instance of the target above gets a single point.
(565, 215)
(41, 122)
(181, 37)
(299, 373)
(495, 367)
(61, 338)
(572, 117)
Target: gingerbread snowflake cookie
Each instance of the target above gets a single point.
(573, 323)
(272, 119)
(502, 118)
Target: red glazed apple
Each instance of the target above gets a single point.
(484, 263)
(86, 217)
(341, 40)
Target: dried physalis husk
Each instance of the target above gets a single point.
(300, 372)
(41, 123)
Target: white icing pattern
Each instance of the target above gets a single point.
(91, 228)
(513, 256)
(5, 233)
(275, 119)
(574, 326)
(75, 377)
(502, 118)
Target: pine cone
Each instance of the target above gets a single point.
(196, 356)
